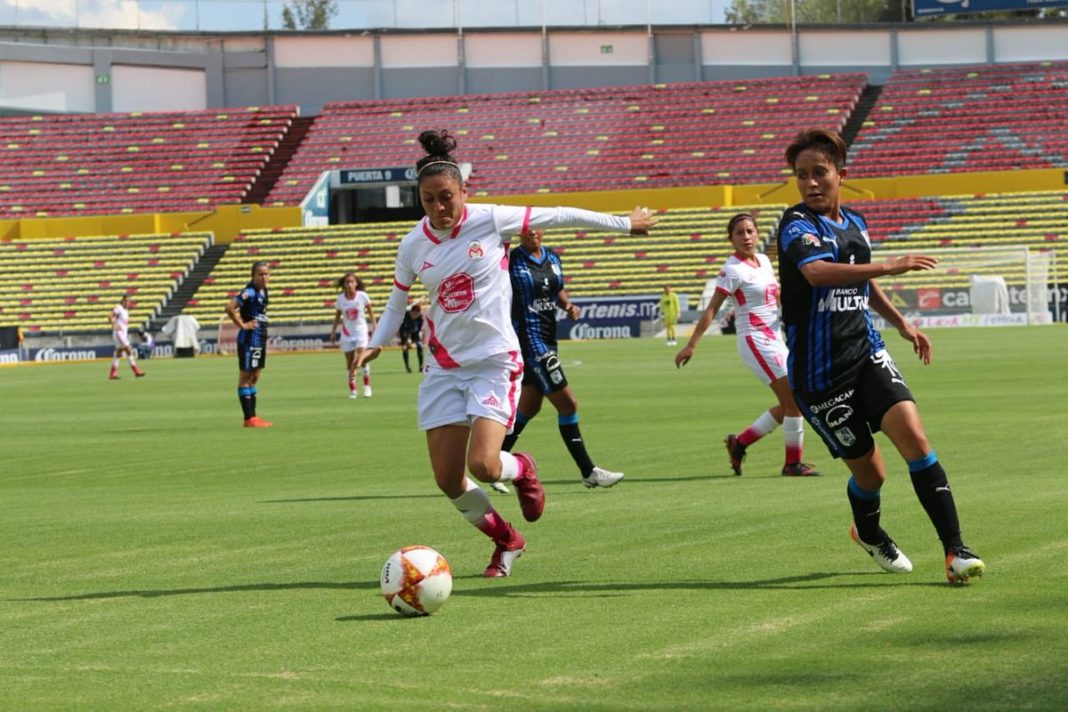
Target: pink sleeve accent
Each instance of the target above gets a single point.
(725, 292)
(402, 287)
(526, 221)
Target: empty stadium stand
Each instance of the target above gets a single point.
(984, 118)
(71, 284)
(685, 250)
(85, 164)
(584, 139)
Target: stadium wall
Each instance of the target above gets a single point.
(226, 221)
(94, 70)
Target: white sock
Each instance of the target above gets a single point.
(764, 424)
(793, 431)
(133, 362)
(509, 467)
(474, 503)
(115, 364)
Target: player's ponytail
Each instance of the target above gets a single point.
(438, 160)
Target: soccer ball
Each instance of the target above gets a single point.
(416, 581)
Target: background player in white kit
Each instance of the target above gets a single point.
(467, 399)
(748, 277)
(120, 332)
(351, 305)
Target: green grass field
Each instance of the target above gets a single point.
(157, 555)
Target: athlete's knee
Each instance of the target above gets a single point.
(485, 467)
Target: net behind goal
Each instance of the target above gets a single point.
(985, 286)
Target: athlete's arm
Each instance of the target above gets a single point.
(921, 345)
(824, 273)
(512, 220)
(563, 299)
(686, 353)
(333, 329)
(371, 317)
(233, 310)
(392, 317)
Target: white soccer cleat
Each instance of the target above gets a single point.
(500, 487)
(601, 477)
(366, 391)
(353, 394)
(963, 565)
(886, 555)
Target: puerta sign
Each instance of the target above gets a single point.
(365, 176)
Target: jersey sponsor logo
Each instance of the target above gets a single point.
(840, 398)
(809, 239)
(474, 250)
(456, 293)
(843, 300)
(838, 415)
(541, 306)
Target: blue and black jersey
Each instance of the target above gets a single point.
(536, 285)
(411, 327)
(828, 329)
(252, 305)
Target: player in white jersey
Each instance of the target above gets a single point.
(351, 305)
(748, 278)
(467, 399)
(120, 332)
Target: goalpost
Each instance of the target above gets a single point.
(226, 339)
(983, 286)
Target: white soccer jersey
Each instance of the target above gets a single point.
(353, 321)
(465, 271)
(121, 321)
(756, 293)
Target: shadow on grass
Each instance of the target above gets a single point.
(242, 588)
(554, 588)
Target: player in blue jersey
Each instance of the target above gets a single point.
(537, 290)
(248, 309)
(843, 379)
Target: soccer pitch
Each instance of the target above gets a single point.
(158, 555)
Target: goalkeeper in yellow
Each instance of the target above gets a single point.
(669, 309)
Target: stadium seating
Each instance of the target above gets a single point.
(82, 164)
(685, 250)
(71, 284)
(991, 117)
(583, 139)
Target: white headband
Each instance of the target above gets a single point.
(434, 163)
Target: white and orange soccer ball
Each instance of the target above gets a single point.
(416, 581)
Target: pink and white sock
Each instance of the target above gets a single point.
(760, 427)
(511, 467)
(474, 505)
(366, 375)
(793, 431)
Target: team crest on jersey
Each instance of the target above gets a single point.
(811, 240)
(474, 250)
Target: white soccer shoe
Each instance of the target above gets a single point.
(500, 487)
(366, 391)
(353, 394)
(963, 565)
(601, 477)
(886, 555)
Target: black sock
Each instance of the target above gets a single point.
(867, 506)
(245, 398)
(569, 431)
(517, 428)
(419, 353)
(407, 364)
(932, 487)
(252, 401)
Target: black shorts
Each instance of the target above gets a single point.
(545, 372)
(847, 416)
(410, 337)
(251, 358)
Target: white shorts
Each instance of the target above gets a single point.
(765, 357)
(486, 389)
(122, 340)
(356, 340)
